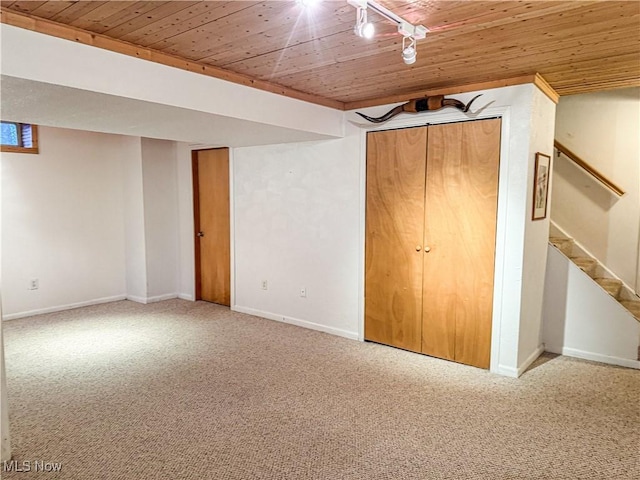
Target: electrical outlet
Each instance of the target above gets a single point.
(264, 285)
(34, 284)
(303, 292)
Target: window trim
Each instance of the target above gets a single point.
(34, 141)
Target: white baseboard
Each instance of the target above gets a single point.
(186, 296)
(61, 308)
(296, 321)
(516, 372)
(160, 298)
(532, 358)
(506, 371)
(552, 349)
(135, 298)
(598, 357)
(157, 298)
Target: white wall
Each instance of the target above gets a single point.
(536, 233)
(297, 225)
(63, 222)
(135, 250)
(603, 129)
(582, 320)
(186, 243)
(159, 169)
(93, 217)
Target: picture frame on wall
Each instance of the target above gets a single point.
(541, 186)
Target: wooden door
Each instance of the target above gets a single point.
(211, 200)
(460, 229)
(393, 237)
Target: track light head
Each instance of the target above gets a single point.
(363, 28)
(409, 55)
(409, 50)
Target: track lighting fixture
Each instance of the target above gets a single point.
(410, 33)
(409, 50)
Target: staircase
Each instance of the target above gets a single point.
(597, 272)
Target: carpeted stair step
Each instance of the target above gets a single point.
(611, 285)
(565, 245)
(587, 264)
(633, 307)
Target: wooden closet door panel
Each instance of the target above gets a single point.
(441, 268)
(478, 218)
(460, 223)
(394, 232)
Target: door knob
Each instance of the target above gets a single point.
(200, 234)
(427, 249)
(418, 248)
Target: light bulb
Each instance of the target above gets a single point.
(365, 30)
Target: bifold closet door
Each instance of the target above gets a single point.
(394, 234)
(460, 230)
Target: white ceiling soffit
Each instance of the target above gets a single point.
(29, 101)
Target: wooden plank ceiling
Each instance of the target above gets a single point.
(577, 46)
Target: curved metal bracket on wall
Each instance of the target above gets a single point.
(418, 105)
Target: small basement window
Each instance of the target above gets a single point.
(18, 137)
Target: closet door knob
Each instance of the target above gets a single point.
(427, 249)
(418, 248)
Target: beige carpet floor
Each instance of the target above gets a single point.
(183, 390)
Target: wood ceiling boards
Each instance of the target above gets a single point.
(576, 46)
